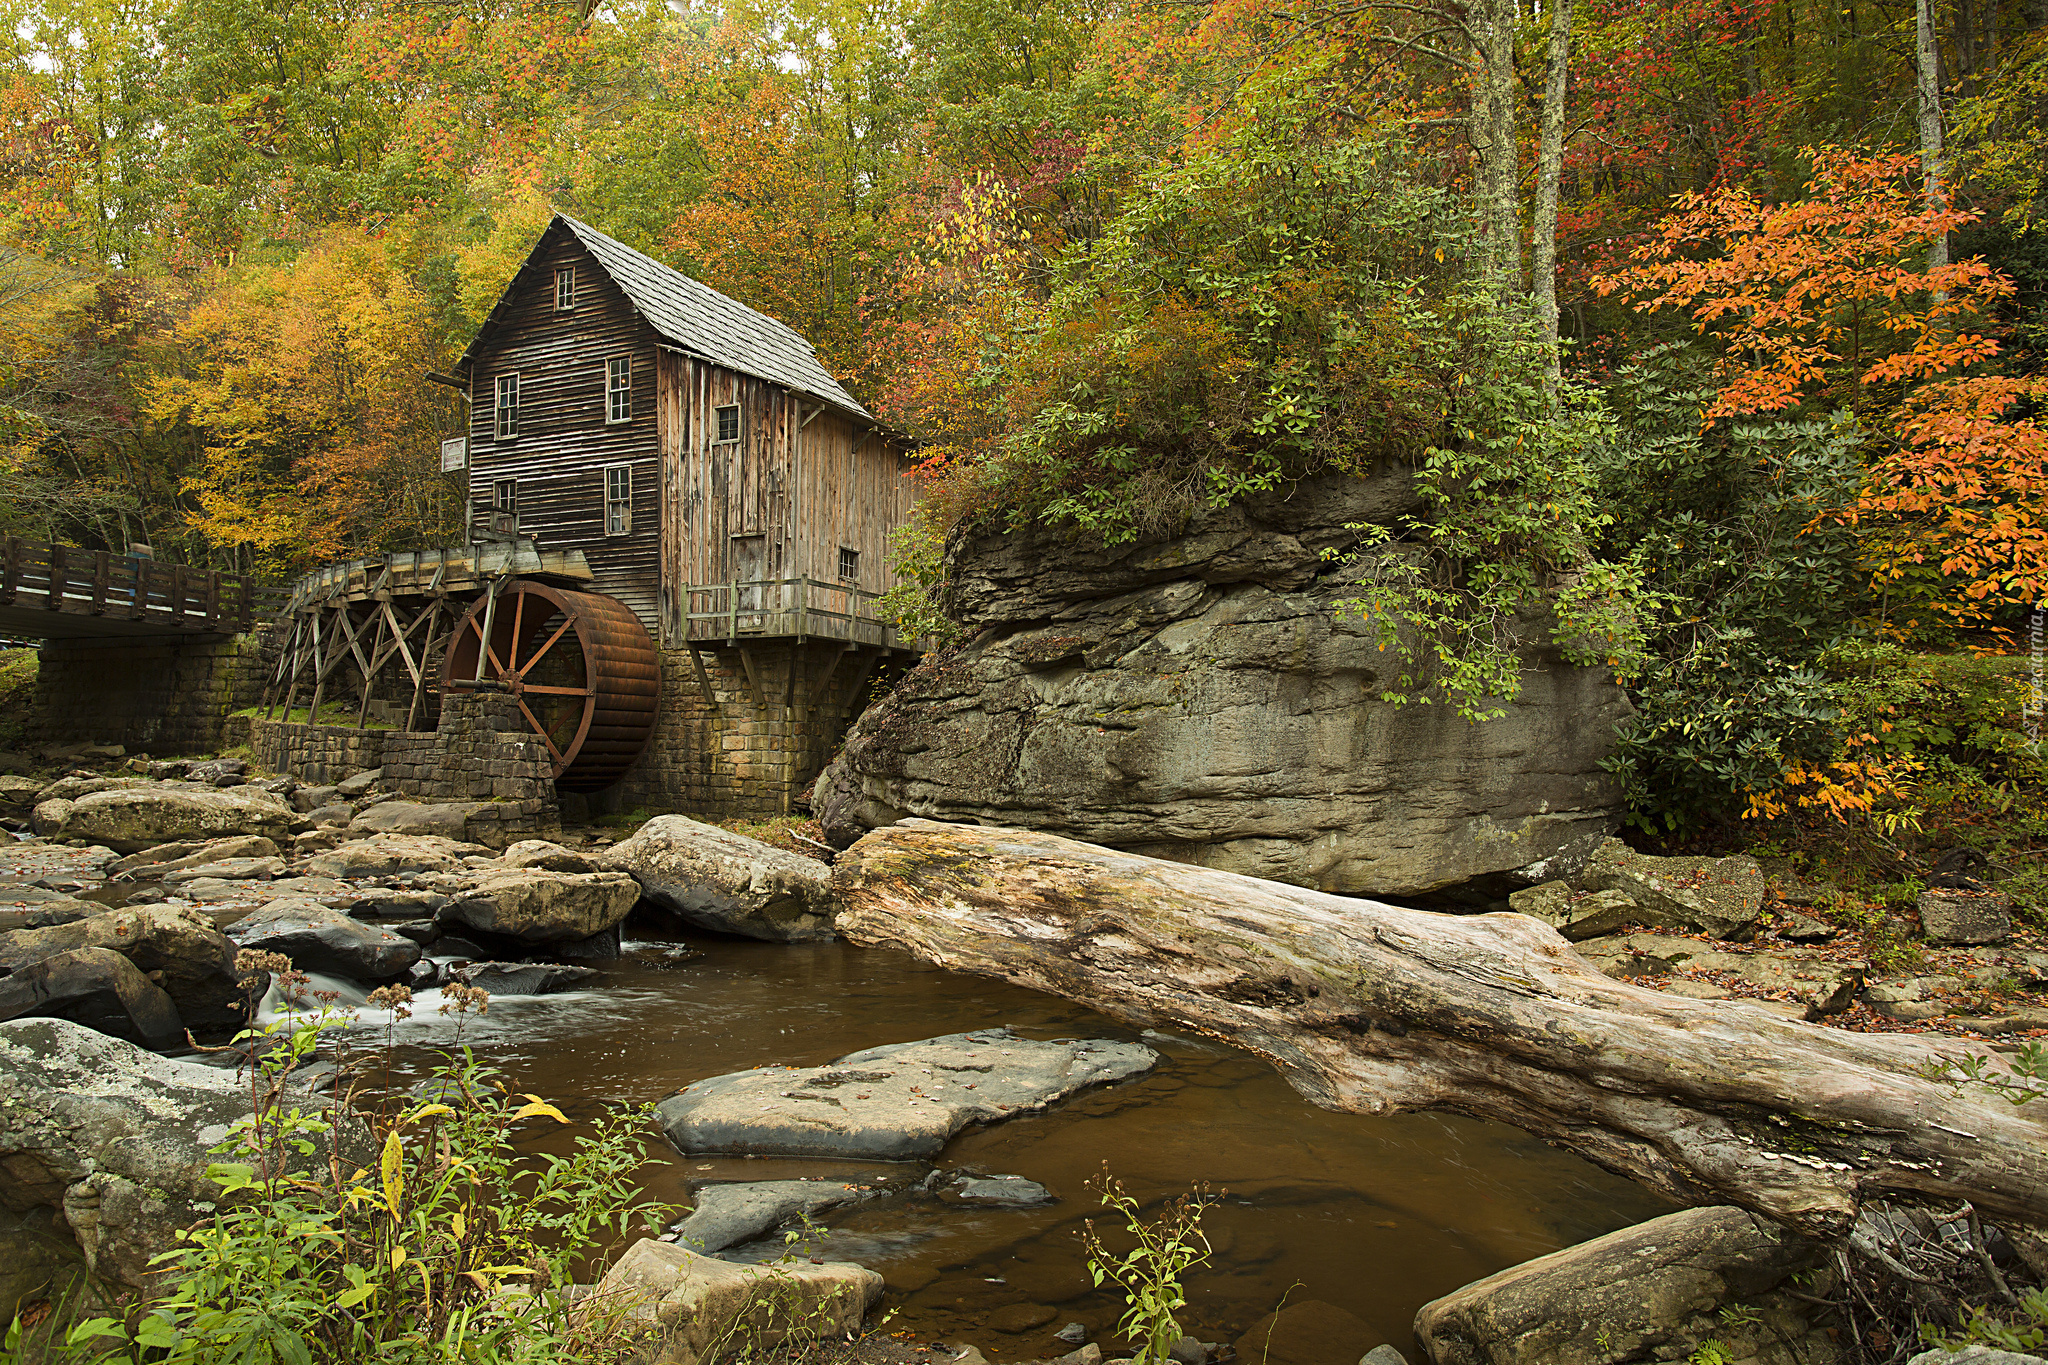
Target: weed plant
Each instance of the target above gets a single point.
(1149, 1275)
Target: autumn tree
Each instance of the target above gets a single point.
(1830, 301)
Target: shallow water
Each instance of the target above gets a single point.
(1376, 1215)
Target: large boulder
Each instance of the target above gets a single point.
(1718, 896)
(1649, 1292)
(544, 907)
(1203, 695)
(108, 1144)
(711, 878)
(175, 946)
(387, 855)
(683, 1307)
(318, 938)
(893, 1103)
(130, 819)
(96, 987)
(443, 819)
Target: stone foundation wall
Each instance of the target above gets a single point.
(752, 754)
(482, 753)
(165, 697)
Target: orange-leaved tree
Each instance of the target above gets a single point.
(1828, 301)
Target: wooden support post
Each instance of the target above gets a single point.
(138, 597)
(860, 680)
(212, 598)
(102, 574)
(704, 681)
(754, 681)
(370, 674)
(419, 686)
(10, 573)
(55, 600)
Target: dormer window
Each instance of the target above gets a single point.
(565, 289)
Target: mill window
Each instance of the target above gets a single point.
(505, 496)
(565, 289)
(618, 390)
(728, 423)
(508, 406)
(618, 499)
(849, 564)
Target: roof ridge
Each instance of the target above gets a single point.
(713, 324)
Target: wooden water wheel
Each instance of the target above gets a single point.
(580, 665)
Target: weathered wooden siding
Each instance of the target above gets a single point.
(564, 442)
(777, 504)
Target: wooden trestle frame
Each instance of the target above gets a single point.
(327, 635)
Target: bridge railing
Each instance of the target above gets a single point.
(75, 582)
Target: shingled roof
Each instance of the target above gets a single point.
(698, 319)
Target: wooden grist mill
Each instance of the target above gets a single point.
(580, 665)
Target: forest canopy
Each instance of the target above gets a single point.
(1717, 325)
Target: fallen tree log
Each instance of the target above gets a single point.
(1372, 1009)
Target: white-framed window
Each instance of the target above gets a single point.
(505, 496)
(618, 499)
(507, 408)
(849, 564)
(618, 389)
(725, 423)
(565, 289)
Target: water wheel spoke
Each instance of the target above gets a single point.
(568, 620)
(542, 731)
(518, 615)
(557, 691)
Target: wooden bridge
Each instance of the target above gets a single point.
(60, 592)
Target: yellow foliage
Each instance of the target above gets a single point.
(305, 385)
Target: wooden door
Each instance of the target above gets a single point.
(749, 565)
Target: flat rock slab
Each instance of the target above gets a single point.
(894, 1103)
(1012, 1190)
(384, 855)
(727, 1215)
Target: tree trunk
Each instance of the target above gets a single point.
(1549, 166)
(1373, 1009)
(1928, 80)
(1496, 176)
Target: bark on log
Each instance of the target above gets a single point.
(1372, 1008)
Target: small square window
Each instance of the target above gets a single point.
(505, 496)
(728, 418)
(618, 390)
(565, 289)
(849, 564)
(618, 499)
(508, 406)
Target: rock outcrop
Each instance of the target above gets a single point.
(711, 878)
(1204, 698)
(110, 1139)
(98, 988)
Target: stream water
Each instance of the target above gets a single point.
(1375, 1215)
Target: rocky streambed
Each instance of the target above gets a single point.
(937, 1129)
